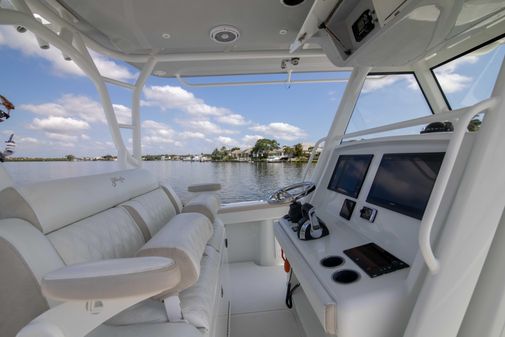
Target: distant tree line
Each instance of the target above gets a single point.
(261, 150)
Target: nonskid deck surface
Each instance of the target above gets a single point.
(257, 302)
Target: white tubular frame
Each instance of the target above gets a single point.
(311, 158)
(289, 81)
(451, 154)
(136, 136)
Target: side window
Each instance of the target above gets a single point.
(470, 78)
(387, 99)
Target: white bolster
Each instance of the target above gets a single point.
(209, 187)
(182, 239)
(207, 204)
(109, 279)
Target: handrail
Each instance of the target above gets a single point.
(443, 116)
(311, 158)
(183, 81)
(465, 115)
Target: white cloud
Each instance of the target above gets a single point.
(62, 138)
(373, 83)
(157, 133)
(233, 119)
(123, 113)
(226, 140)
(172, 97)
(78, 106)
(452, 82)
(279, 130)
(206, 127)
(111, 69)
(28, 140)
(27, 44)
(250, 140)
(191, 135)
(378, 82)
(63, 130)
(449, 79)
(59, 125)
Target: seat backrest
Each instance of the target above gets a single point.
(152, 210)
(51, 205)
(107, 235)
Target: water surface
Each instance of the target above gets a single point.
(240, 181)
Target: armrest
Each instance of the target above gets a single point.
(208, 187)
(207, 204)
(108, 279)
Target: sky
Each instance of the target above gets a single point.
(58, 110)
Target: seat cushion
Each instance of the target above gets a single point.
(148, 311)
(106, 235)
(197, 302)
(182, 239)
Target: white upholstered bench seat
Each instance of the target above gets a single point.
(107, 216)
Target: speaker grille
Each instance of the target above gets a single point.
(224, 34)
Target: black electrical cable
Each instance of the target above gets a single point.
(290, 291)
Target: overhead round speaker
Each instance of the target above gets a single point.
(291, 3)
(224, 34)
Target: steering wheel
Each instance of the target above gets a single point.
(291, 193)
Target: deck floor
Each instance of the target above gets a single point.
(257, 302)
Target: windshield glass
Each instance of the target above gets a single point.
(387, 99)
(470, 78)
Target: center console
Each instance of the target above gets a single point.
(339, 291)
(358, 279)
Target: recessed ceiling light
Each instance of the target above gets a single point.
(166, 36)
(160, 72)
(283, 31)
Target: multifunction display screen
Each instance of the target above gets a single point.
(404, 181)
(349, 174)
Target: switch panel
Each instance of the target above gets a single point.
(368, 213)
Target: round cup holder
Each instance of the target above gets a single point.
(332, 261)
(345, 276)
